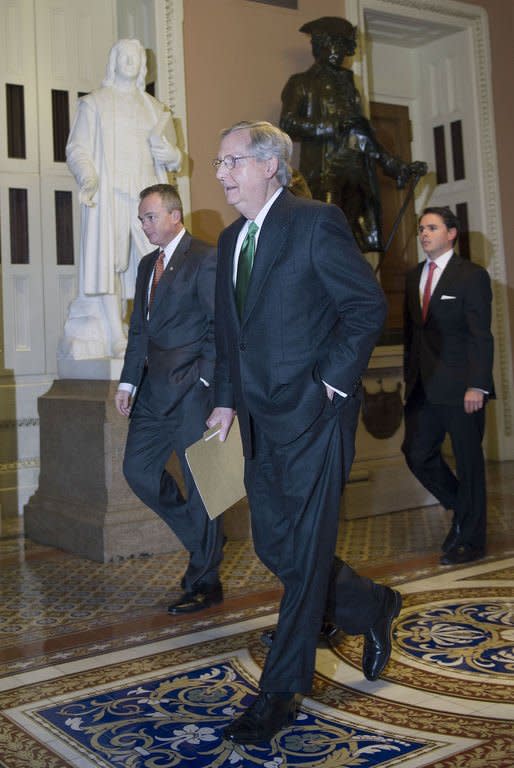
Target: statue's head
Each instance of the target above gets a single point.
(128, 59)
(333, 39)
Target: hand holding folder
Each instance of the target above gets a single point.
(218, 469)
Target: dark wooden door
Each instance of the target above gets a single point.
(393, 129)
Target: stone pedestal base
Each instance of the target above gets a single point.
(83, 504)
(380, 481)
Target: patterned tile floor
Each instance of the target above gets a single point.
(73, 632)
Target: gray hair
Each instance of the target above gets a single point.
(266, 140)
(110, 72)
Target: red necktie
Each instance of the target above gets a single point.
(157, 274)
(427, 293)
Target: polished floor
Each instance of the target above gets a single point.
(94, 672)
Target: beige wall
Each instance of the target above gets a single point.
(238, 56)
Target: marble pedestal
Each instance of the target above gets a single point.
(83, 503)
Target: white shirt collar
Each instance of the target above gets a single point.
(441, 261)
(172, 246)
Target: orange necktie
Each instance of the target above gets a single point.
(157, 274)
(427, 293)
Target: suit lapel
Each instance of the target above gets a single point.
(226, 265)
(272, 241)
(169, 274)
(445, 282)
(145, 282)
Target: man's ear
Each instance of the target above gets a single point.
(271, 167)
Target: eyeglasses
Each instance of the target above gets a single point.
(229, 161)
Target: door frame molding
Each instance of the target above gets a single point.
(171, 79)
(474, 18)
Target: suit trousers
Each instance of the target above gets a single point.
(426, 425)
(294, 492)
(151, 440)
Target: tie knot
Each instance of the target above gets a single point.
(252, 228)
(431, 266)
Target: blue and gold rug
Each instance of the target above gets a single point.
(447, 698)
(177, 719)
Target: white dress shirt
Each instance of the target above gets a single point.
(441, 263)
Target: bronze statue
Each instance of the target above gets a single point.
(339, 152)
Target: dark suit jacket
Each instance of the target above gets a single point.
(313, 312)
(453, 349)
(177, 341)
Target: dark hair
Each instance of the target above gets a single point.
(168, 194)
(450, 219)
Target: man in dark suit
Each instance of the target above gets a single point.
(448, 379)
(165, 385)
(290, 352)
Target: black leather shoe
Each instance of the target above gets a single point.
(269, 713)
(377, 640)
(462, 553)
(328, 633)
(452, 539)
(200, 597)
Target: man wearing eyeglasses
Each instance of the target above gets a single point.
(298, 312)
(165, 386)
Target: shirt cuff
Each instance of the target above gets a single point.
(125, 387)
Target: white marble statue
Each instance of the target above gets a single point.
(122, 140)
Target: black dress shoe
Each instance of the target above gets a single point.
(462, 553)
(269, 713)
(452, 539)
(200, 597)
(328, 633)
(377, 640)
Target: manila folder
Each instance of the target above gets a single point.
(218, 469)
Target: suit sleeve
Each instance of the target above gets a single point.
(358, 298)
(480, 345)
(206, 282)
(137, 342)
(223, 390)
